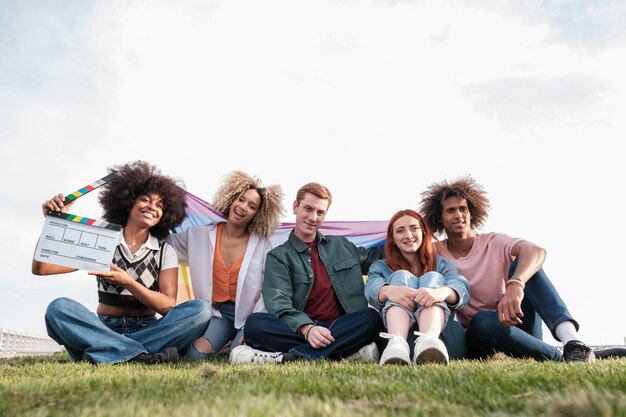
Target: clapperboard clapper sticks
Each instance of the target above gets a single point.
(77, 241)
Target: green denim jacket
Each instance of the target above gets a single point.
(288, 276)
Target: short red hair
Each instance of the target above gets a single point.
(426, 254)
(317, 190)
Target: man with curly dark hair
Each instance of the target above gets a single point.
(510, 292)
(141, 283)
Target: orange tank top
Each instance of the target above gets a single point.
(224, 279)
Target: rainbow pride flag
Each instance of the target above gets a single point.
(362, 233)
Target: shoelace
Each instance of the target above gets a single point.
(262, 357)
(418, 334)
(390, 336)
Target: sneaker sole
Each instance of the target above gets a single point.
(394, 361)
(431, 355)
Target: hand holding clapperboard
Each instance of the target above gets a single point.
(78, 242)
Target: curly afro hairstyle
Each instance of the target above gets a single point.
(466, 187)
(270, 211)
(139, 178)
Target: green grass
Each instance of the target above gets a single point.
(54, 386)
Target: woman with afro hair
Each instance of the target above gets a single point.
(226, 259)
(141, 283)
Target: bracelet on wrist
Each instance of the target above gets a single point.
(515, 281)
(306, 332)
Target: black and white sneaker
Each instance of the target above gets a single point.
(577, 351)
(246, 354)
(167, 355)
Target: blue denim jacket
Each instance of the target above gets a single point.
(380, 272)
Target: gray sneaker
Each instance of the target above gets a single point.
(577, 351)
(246, 354)
(368, 353)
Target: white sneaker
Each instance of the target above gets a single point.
(368, 353)
(246, 354)
(396, 352)
(429, 349)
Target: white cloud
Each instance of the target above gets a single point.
(521, 102)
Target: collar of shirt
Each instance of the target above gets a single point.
(152, 243)
(300, 246)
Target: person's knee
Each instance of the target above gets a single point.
(484, 323)
(59, 306)
(255, 319)
(202, 309)
(480, 334)
(197, 310)
(374, 321)
(432, 279)
(253, 328)
(403, 278)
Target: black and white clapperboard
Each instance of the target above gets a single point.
(77, 241)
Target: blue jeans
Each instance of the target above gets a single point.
(452, 334)
(351, 331)
(113, 339)
(218, 332)
(404, 278)
(486, 335)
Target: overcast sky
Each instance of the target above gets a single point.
(375, 99)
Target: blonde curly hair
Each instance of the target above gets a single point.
(270, 211)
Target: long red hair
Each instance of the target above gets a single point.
(426, 254)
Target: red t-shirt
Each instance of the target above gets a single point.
(323, 304)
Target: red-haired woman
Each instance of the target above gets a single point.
(413, 285)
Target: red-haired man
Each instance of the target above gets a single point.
(314, 295)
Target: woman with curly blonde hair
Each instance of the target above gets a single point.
(226, 259)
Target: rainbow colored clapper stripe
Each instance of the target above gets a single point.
(81, 192)
(89, 188)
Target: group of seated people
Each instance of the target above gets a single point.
(417, 300)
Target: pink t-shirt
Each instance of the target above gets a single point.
(486, 267)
